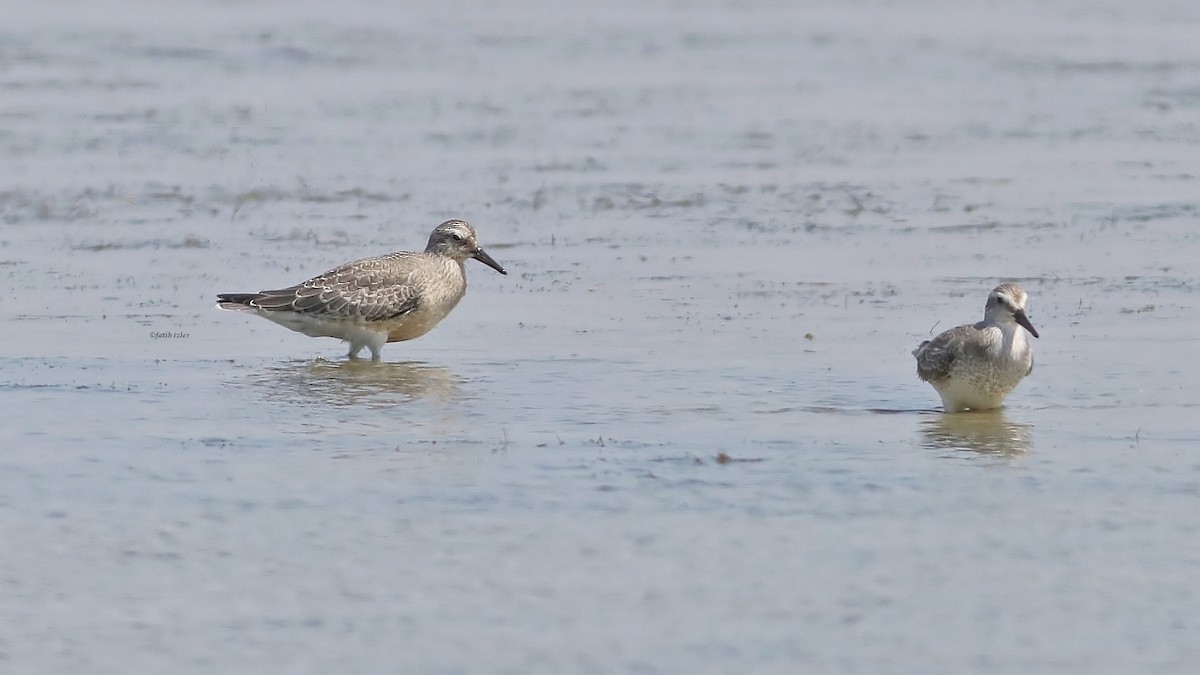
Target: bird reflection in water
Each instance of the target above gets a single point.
(350, 383)
(987, 432)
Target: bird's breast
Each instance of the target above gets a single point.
(437, 292)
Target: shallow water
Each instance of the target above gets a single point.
(685, 433)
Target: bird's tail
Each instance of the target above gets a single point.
(237, 302)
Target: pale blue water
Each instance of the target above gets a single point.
(625, 456)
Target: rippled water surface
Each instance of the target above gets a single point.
(684, 434)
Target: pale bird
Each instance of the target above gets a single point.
(368, 303)
(973, 367)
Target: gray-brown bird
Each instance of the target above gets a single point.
(370, 302)
(973, 367)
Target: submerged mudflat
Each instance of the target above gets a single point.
(685, 433)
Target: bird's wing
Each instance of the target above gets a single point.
(935, 357)
(374, 289)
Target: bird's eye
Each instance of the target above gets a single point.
(456, 236)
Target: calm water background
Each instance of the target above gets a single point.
(684, 434)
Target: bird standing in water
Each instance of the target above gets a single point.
(370, 302)
(973, 367)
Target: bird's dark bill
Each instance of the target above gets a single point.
(1019, 315)
(487, 260)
